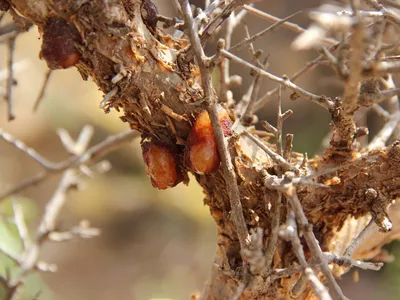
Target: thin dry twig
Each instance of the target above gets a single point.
(229, 173)
(251, 39)
(273, 239)
(367, 70)
(13, 29)
(82, 230)
(289, 25)
(291, 195)
(97, 151)
(384, 114)
(290, 234)
(385, 133)
(308, 67)
(288, 147)
(10, 80)
(387, 13)
(29, 258)
(248, 117)
(43, 89)
(393, 102)
(321, 100)
(391, 92)
(274, 156)
(224, 77)
(330, 258)
(281, 118)
(226, 80)
(227, 9)
(349, 262)
(54, 206)
(268, 95)
(29, 151)
(350, 249)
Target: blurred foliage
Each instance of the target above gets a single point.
(391, 271)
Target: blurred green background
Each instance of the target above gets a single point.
(154, 244)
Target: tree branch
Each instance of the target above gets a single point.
(229, 173)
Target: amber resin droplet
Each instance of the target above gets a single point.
(161, 164)
(59, 40)
(201, 153)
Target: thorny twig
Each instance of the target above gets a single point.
(308, 67)
(227, 81)
(229, 173)
(224, 64)
(321, 100)
(248, 117)
(267, 96)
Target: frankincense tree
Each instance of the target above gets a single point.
(287, 225)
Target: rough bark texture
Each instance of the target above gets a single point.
(120, 37)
